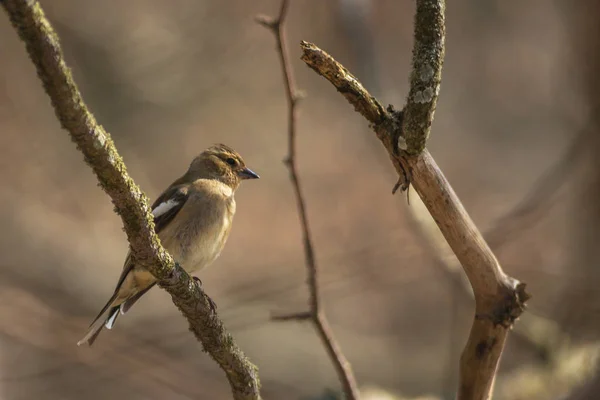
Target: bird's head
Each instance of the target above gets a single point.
(222, 163)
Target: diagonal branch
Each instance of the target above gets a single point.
(543, 334)
(499, 299)
(315, 313)
(100, 153)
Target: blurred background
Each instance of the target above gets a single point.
(515, 133)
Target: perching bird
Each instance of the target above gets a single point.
(192, 218)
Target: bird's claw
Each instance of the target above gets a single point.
(211, 303)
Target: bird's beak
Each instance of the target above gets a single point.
(247, 173)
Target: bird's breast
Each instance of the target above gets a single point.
(201, 239)
(208, 247)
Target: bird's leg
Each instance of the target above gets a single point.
(213, 305)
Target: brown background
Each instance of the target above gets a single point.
(167, 79)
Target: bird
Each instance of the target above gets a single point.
(192, 218)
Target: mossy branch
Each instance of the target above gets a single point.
(42, 43)
(426, 75)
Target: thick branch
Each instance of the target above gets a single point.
(315, 313)
(543, 334)
(130, 202)
(499, 299)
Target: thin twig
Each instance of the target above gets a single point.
(499, 299)
(315, 313)
(100, 153)
(298, 316)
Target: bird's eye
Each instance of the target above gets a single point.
(231, 161)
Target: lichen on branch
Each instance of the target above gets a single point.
(43, 46)
(426, 74)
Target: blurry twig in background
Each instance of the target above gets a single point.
(315, 313)
(541, 197)
(42, 43)
(499, 299)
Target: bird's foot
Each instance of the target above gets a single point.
(211, 303)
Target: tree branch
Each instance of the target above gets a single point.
(543, 334)
(499, 299)
(315, 314)
(426, 75)
(42, 43)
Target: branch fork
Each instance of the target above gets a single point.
(499, 299)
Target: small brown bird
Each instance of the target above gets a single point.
(192, 218)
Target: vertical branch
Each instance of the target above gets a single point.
(315, 313)
(426, 75)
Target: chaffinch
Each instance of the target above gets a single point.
(192, 218)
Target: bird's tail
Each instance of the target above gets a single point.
(106, 318)
(109, 314)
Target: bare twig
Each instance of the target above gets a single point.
(315, 313)
(100, 153)
(499, 299)
(298, 316)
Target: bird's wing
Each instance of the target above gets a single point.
(167, 205)
(164, 209)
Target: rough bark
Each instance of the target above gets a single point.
(100, 153)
